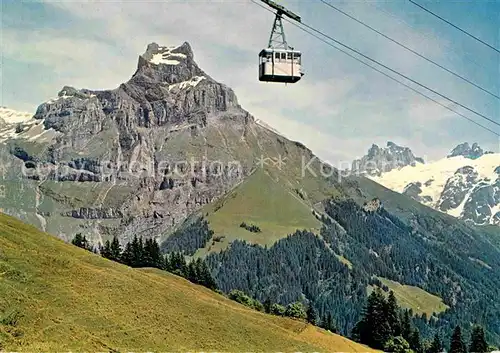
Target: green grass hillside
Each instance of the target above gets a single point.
(262, 201)
(414, 298)
(55, 297)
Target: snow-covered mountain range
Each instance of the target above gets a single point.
(10, 116)
(464, 184)
(21, 125)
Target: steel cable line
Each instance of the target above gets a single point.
(385, 74)
(400, 74)
(451, 24)
(409, 49)
(432, 36)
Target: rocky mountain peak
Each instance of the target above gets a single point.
(166, 56)
(468, 151)
(168, 64)
(151, 143)
(373, 151)
(379, 160)
(167, 89)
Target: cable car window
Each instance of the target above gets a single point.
(277, 56)
(283, 56)
(289, 56)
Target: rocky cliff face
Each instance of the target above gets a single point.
(137, 159)
(381, 160)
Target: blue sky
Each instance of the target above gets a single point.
(338, 109)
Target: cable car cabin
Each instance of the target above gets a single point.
(280, 65)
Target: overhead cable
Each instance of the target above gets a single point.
(451, 24)
(409, 49)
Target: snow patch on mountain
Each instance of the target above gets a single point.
(20, 125)
(193, 82)
(165, 55)
(11, 116)
(439, 172)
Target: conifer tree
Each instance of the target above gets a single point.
(311, 314)
(192, 272)
(151, 256)
(167, 265)
(139, 255)
(457, 344)
(374, 329)
(206, 277)
(115, 249)
(146, 259)
(178, 264)
(267, 305)
(137, 252)
(328, 323)
(393, 315)
(406, 327)
(359, 331)
(81, 241)
(77, 240)
(156, 254)
(127, 257)
(415, 343)
(106, 250)
(478, 342)
(436, 345)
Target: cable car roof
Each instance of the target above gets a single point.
(279, 50)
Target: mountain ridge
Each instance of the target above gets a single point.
(380, 160)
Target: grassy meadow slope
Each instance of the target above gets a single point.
(262, 201)
(54, 297)
(414, 298)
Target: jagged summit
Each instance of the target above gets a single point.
(171, 55)
(168, 65)
(168, 88)
(468, 151)
(383, 159)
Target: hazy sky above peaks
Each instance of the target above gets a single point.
(338, 109)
